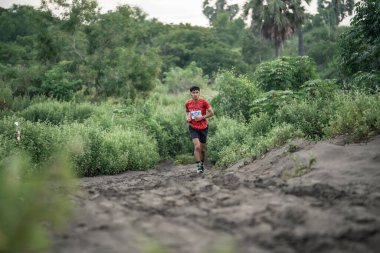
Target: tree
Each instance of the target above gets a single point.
(122, 60)
(303, 18)
(184, 44)
(74, 13)
(220, 7)
(256, 49)
(20, 20)
(334, 11)
(223, 19)
(59, 83)
(359, 50)
(276, 20)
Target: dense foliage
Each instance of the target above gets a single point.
(108, 91)
(359, 50)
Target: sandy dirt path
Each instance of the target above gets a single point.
(256, 206)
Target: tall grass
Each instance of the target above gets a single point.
(33, 203)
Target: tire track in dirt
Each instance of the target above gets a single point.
(334, 207)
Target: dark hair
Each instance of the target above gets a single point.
(193, 88)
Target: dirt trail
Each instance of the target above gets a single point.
(250, 207)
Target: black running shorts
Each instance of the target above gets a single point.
(200, 134)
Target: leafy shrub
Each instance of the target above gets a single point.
(20, 103)
(39, 140)
(131, 150)
(235, 95)
(308, 116)
(178, 80)
(6, 97)
(285, 73)
(228, 132)
(59, 83)
(109, 152)
(276, 137)
(319, 89)
(357, 115)
(368, 82)
(270, 101)
(88, 141)
(232, 153)
(259, 124)
(234, 142)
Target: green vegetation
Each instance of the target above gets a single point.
(108, 90)
(34, 201)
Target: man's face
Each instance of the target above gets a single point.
(195, 94)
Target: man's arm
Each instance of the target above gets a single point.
(188, 116)
(209, 113)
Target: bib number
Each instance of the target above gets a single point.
(195, 113)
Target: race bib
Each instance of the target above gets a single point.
(195, 113)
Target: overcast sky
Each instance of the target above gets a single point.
(167, 11)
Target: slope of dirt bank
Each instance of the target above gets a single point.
(331, 206)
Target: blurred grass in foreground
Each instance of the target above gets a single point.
(33, 203)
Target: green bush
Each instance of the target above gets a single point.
(20, 103)
(233, 141)
(235, 95)
(308, 116)
(130, 150)
(357, 115)
(366, 81)
(276, 137)
(39, 140)
(319, 89)
(166, 123)
(259, 124)
(88, 141)
(6, 97)
(109, 152)
(270, 101)
(232, 153)
(56, 113)
(178, 80)
(59, 83)
(285, 73)
(228, 132)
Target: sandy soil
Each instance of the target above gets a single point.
(260, 206)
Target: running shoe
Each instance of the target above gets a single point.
(200, 169)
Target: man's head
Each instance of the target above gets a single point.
(193, 88)
(195, 92)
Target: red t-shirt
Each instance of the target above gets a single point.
(195, 108)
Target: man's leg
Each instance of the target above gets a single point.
(203, 151)
(197, 149)
(197, 154)
(203, 140)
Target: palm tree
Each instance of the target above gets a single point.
(336, 9)
(221, 6)
(276, 20)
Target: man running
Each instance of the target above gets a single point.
(197, 112)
